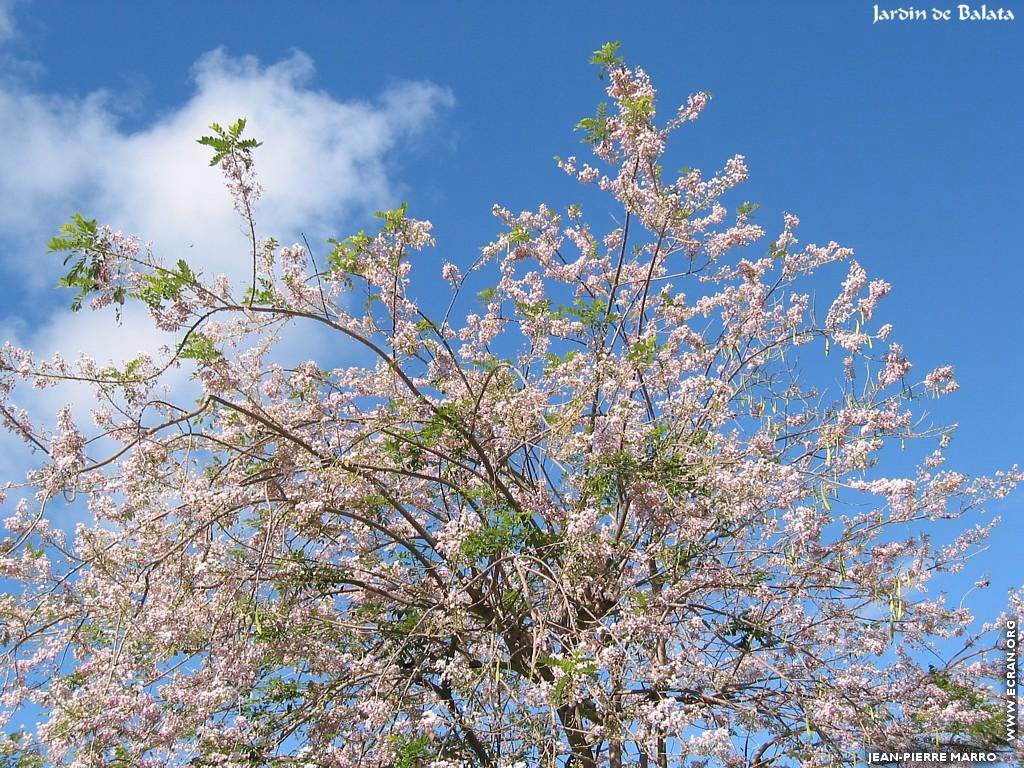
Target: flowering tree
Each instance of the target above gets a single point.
(601, 521)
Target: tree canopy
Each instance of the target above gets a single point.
(623, 497)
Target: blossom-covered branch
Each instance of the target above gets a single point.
(607, 519)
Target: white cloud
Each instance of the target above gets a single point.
(322, 158)
(324, 162)
(323, 165)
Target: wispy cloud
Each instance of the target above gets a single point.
(7, 27)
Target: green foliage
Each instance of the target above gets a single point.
(642, 353)
(261, 293)
(165, 285)
(405, 451)
(489, 364)
(281, 691)
(748, 208)
(657, 460)
(513, 601)
(637, 111)
(75, 680)
(533, 310)
(444, 417)
(606, 57)
(507, 530)
(17, 755)
(590, 313)
(93, 634)
(318, 576)
(78, 238)
(682, 554)
(401, 624)
(519, 235)
(989, 733)
(130, 370)
(269, 698)
(226, 143)
(394, 219)
(411, 751)
(595, 128)
(552, 360)
(749, 632)
(79, 234)
(347, 253)
(199, 347)
(572, 666)
(406, 447)
(608, 477)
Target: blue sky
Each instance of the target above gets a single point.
(901, 140)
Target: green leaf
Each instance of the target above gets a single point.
(519, 235)
(641, 354)
(534, 309)
(507, 531)
(572, 666)
(988, 733)
(347, 254)
(78, 238)
(595, 128)
(552, 360)
(411, 752)
(79, 234)
(199, 347)
(165, 285)
(262, 293)
(590, 313)
(606, 57)
(226, 143)
(638, 111)
(394, 219)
